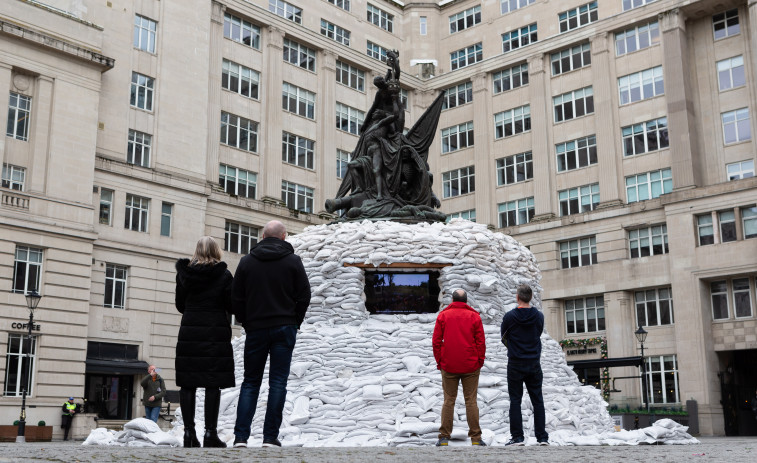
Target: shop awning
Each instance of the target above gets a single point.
(117, 367)
(606, 363)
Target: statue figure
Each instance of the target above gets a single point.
(388, 175)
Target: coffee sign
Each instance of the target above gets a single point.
(24, 326)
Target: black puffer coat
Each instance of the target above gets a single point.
(204, 357)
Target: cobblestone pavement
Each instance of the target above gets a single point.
(712, 449)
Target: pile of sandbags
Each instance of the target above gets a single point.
(140, 432)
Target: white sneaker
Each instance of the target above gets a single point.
(239, 444)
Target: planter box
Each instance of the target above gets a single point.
(8, 433)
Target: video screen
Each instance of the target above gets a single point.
(402, 292)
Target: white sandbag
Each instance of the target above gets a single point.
(372, 392)
(301, 410)
(413, 363)
(163, 438)
(416, 427)
(100, 436)
(142, 424)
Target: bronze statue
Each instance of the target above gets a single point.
(388, 175)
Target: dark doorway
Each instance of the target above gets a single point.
(109, 396)
(738, 382)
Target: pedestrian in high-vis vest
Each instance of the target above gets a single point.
(68, 410)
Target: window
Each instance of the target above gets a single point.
(578, 200)
(27, 269)
(350, 76)
(297, 150)
(726, 24)
(241, 31)
(349, 119)
(458, 95)
(749, 220)
(166, 210)
(106, 207)
(637, 38)
(727, 221)
(507, 6)
(650, 241)
(299, 55)
(404, 99)
(342, 159)
(343, 4)
(138, 148)
(662, 379)
(239, 132)
(457, 137)
(739, 170)
(578, 253)
(298, 101)
(571, 59)
(719, 296)
(19, 114)
(574, 104)
(375, 51)
(519, 38)
(576, 154)
(380, 18)
(285, 10)
(641, 85)
(137, 212)
(465, 19)
(516, 212)
(141, 91)
(13, 177)
(742, 297)
(510, 78)
(297, 197)
(585, 315)
(645, 137)
(115, 286)
(458, 182)
(466, 56)
(648, 185)
(731, 73)
(423, 25)
(144, 33)
(239, 238)
(19, 365)
(512, 122)
(514, 169)
(238, 182)
(630, 4)
(736, 126)
(240, 79)
(705, 230)
(654, 307)
(335, 33)
(578, 17)
(465, 215)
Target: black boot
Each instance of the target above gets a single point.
(212, 403)
(187, 403)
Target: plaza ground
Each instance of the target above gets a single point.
(711, 449)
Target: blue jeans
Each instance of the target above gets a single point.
(152, 413)
(529, 373)
(278, 342)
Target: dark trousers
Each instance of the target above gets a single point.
(65, 423)
(530, 374)
(278, 342)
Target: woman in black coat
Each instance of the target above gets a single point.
(204, 357)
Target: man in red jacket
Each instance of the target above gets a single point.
(459, 350)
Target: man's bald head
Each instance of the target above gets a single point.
(459, 295)
(275, 229)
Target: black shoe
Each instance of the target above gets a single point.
(442, 442)
(478, 442)
(187, 403)
(519, 442)
(543, 442)
(271, 443)
(190, 438)
(211, 440)
(212, 404)
(239, 443)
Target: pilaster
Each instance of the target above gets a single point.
(482, 147)
(325, 145)
(269, 143)
(214, 95)
(6, 74)
(541, 139)
(39, 175)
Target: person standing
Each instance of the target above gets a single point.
(68, 410)
(459, 350)
(521, 333)
(271, 294)
(204, 356)
(154, 391)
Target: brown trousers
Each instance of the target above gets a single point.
(470, 393)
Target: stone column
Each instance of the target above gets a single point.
(541, 139)
(6, 74)
(620, 324)
(687, 165)
(482, 147)
(752, 50)
(269, 132)
(214, 93)
(605, 104)
(39, 175)
(325, 144)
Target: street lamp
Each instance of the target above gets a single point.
(641, 336)
(32, 300)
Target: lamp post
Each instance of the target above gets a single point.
(641, 336)
(32, 300)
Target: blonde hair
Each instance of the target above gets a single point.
(207, 252)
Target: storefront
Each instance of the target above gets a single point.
(110, 379)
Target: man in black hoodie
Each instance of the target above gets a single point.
(271, 294)
(521, 333)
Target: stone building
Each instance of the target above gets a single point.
(612, 137)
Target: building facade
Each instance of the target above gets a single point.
(612, 137)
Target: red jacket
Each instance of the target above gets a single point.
(459, 343)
